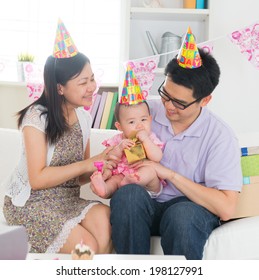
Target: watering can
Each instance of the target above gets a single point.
(169, 43)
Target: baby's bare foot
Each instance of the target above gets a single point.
(98, 185)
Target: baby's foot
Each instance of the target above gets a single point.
(130, 179)
(98, 185)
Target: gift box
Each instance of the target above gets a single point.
(135, 153)
(248, 205)
(250, 165)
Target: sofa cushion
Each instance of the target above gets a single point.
(234, 240)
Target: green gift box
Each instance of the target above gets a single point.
(250, 165)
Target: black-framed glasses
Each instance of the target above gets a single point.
(176, 103)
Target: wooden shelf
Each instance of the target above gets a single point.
(138, 13)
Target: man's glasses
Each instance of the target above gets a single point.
(176, 103)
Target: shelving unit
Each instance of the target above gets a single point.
(160, 20)
(138, 19)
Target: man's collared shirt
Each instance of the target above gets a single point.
(207, 152)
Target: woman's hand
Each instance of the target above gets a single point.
(117, 151)
(109, 160)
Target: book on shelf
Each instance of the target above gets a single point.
(99, 113)
(200, 4)
(189, 4)
(106, 110)
(111, 114)
(93, 101)
(95, 105)
(89, 108)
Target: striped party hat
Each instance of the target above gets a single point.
(131, 92)
(189, 56)
(64, 46)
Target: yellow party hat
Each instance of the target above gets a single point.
(64, 46)
(189, 56)
(131, 92)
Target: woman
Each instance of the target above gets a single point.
(43, 191)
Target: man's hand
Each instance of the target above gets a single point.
(161, 171)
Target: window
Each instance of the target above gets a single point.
(30, 26)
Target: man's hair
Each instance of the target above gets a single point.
(201, 80)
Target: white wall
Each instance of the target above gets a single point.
(13, 98)
(236, 99)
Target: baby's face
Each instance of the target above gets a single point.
(134, 118)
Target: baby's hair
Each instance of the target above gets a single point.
(119, 105)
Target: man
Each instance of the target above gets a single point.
(201, 165)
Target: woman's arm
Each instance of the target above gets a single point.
(42, 176)
(85, 178)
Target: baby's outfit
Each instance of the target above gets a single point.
(123, 167)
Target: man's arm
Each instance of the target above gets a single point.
(220, 202)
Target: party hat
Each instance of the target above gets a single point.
(64, 46)
(189, 56)
(131, 92)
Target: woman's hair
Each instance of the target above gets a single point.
(119, 105)
(56, 71)
(201, 80)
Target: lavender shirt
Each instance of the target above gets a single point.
(207, 152)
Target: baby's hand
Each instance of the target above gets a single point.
(127, 144)
(142, 135)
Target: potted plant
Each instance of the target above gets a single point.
(23, 59)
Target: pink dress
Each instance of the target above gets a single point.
(123, 166)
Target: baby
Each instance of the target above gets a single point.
(130, 120)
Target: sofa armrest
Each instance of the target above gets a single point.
(97, 137)
(234, 240)
(96, 147)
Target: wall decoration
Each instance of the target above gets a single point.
(247, 40)
(144, 70)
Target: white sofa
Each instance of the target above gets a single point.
(237, 239)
